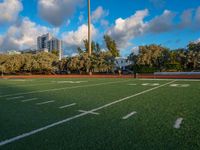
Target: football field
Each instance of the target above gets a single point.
(99, 114)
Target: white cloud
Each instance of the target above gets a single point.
(23, 35)
(126, 29)
(197, 41)
(57, 11)
(129, 28)
(99, 13)
(162, 23)
(9, 10)
(73, 39)
(186, 18)
(197, 18)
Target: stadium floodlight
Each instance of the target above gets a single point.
(89, 30)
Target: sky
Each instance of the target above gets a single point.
(131, 23)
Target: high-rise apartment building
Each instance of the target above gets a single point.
(49, 43)
(42, 41)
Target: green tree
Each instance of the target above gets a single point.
(111, 46)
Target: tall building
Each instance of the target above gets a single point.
(49, 43)
(42, 41)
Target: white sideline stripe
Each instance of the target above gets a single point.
(178, 122)
(27, 134)
(12, 98)
(28, 100)
(89, 112)
(47, 102)
(190, 80)
(58, 89)
(129, 115)
(66, 106)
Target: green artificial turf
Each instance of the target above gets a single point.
(150, 128)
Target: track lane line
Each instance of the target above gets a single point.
(27, 134)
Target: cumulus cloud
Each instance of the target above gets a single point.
(197, 18)
(23, 35)
(74, 39)
(9, 10)
(162, 23)
(186, 18)
(99, 13)
(56, 12)
(126, 29)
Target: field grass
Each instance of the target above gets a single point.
(92, 114)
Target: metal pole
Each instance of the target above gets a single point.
(89, 34)
(2, 72)
(89, 30)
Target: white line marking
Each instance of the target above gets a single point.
(129, 115)
(72, 82)
(66, 106)
(89, 112)
(28, 100)
(27, 134)
(190, 80)
(12, 98)
(179, 85)
(178, 122)
(58, 89)
(132, 84)
(150, 84)
(47, 102)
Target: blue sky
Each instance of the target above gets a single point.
(130, 22)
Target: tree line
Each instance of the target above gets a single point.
(48, 63)
(151, 58)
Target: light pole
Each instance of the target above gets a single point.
(89, 34)
(89, 30)
(2, 71)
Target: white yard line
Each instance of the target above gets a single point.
(43, 103)
(132, 84)
(13, 98)
(65, 88)
(66, 106)
(129, 115)
(28, 100)
(27, 134)
(89, 112)
(178, 122)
